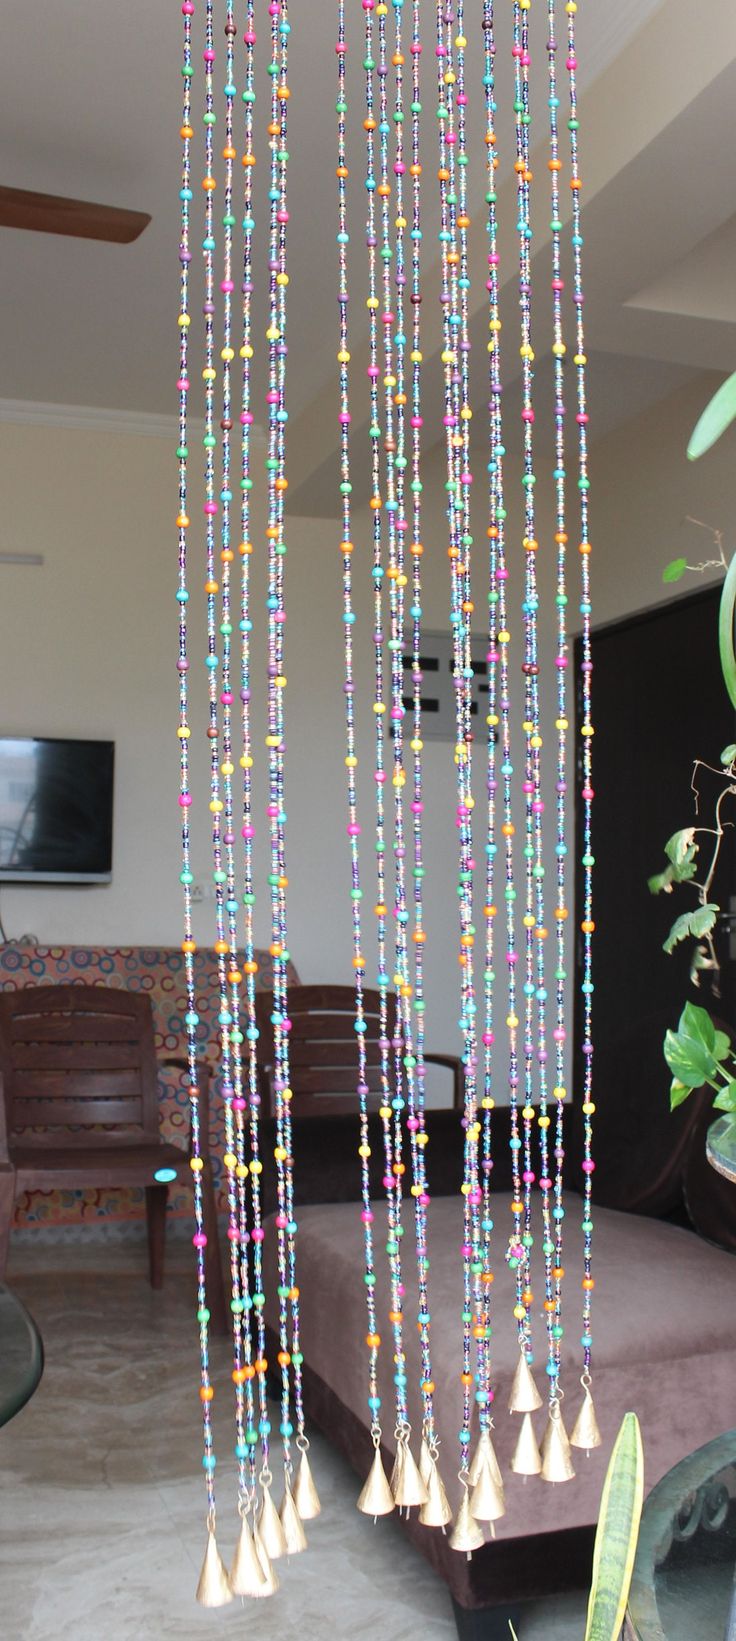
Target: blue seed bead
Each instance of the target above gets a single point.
(209, 1461)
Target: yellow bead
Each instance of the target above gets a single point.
(229, 1159)
(196, 1165)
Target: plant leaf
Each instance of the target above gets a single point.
(661, 880)
(616, 1534)
(678, 1093)
(681, 845)
(675, 570)
(687, 1065)
(726, 1099)
(725, 631)
(696, 1023)
(722, 1046)
(691, 924)
(728, 754)
(717, 416)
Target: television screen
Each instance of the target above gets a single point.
(56, 810)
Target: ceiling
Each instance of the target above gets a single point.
(90, 106)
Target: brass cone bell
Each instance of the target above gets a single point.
(408, 1488)
(269, 1527)
(213, 1589)
(466, 1534)
(246, 1573)
(296, 1538)
(585, 1431)
(557, 1462)
(526, 1459)
(376, 1498)
(524, 1396)
(397, 1467)
(306, 1497)
(269, 1571)
(436, 1512)
(484, 1457)
(487, 1502)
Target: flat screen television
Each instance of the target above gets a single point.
(55, 810)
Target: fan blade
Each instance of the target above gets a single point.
(52, 214)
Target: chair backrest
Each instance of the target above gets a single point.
(323, 1045)
(74, 1058)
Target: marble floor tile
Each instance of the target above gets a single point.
(102, 1497)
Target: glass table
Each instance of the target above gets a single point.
(720, 1146)
(683, 1582)
(21, 1355)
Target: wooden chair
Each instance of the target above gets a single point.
(80, 1108)
(323, 1054)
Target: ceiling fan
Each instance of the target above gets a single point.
(80, 218)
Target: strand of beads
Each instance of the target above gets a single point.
(394, 1096)
(222, 806)
(376, 1497)
(408, 1087)
(185, 797)
(525, 1397)
(586, 1433)
(376, 185)
(436, 1511)
(276, 486)
(455, 358)
(557, 1467)
(497, 659)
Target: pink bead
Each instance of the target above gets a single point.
(239, 1104)
(528, 1177)
(258, 1234)
(199, 1240)
(367, 1216)
(185, 800)
(588, 1167)
(281, 1221)
(232, 1233)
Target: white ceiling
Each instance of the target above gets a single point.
(90, 106)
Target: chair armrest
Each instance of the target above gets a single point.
(454, 1064)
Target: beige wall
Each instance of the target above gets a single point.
(89, 647)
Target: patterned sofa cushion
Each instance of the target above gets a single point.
(159, 971)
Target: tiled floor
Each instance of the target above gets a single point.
(102, 1499)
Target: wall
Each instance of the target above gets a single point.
(89, 645)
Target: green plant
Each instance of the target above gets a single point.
(697, 1053)
(616, 1535)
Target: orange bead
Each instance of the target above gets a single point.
(206, 1393)
(588, 1283)
(373, 1340)
(466, 1378)
(283, 1358)
(261, 1364)
(240, 1375)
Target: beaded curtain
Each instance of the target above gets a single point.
(430, 127)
